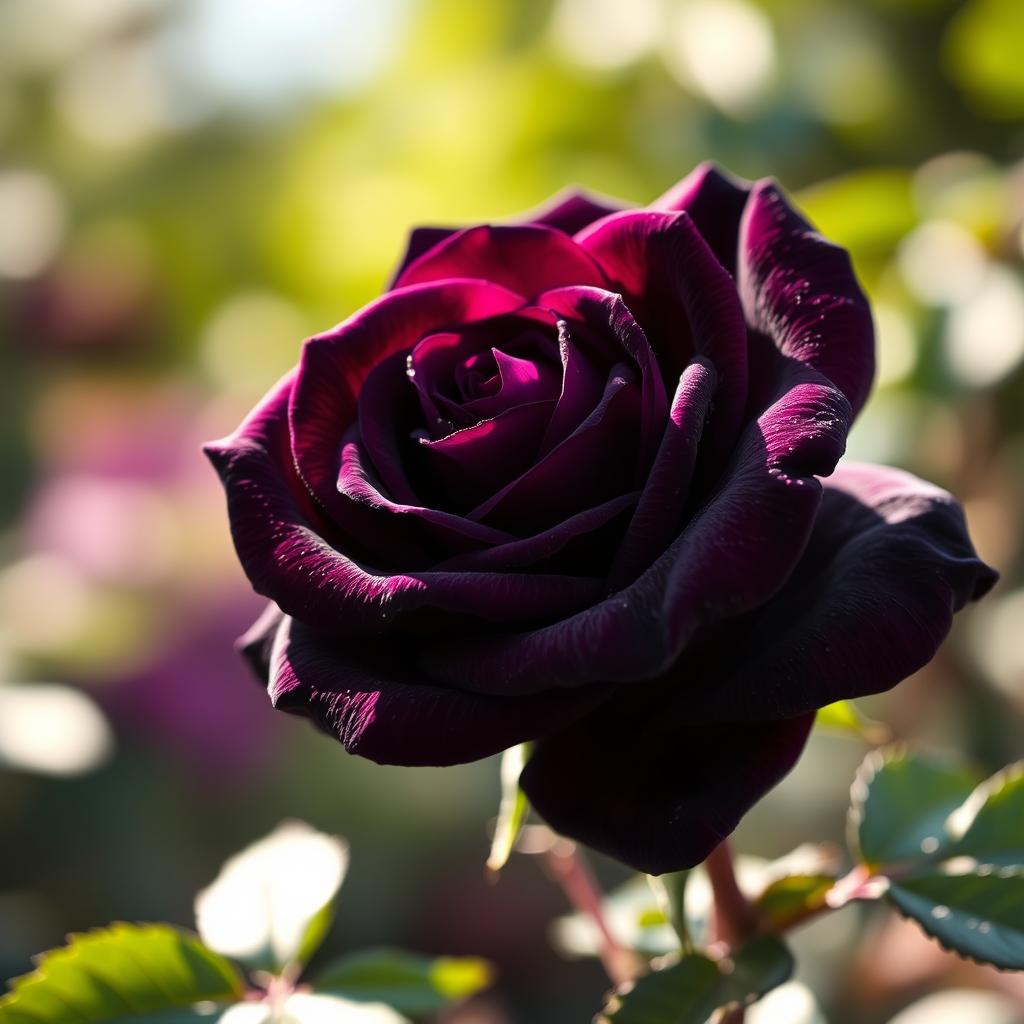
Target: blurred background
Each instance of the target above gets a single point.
(187, 189)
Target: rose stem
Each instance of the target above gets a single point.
(735, 919)
(568, 867)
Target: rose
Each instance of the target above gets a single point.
(568, 481)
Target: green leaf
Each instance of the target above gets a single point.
(690, 990)
(969, 895)
(315, 933)
(979, 914)
(899, 805)
(411, 984)
(670, 892)
(990, 825)
(792, 898)
(273, 903)
(954, 860)
(513, 808)
(118, 972)
(846, 718)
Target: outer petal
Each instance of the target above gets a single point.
(888, 564)
(735, 554)
(421, 240)
(284, 550)
(382, 709)
(527, 259)
(715, 201)
(256, 643)
(800, 290)
(570, 211)
(658, 801)
(683, 298)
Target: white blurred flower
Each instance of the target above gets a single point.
(962, 1006)
(302, 1008)
(265, 898)
(51, 729)
(792, 1003)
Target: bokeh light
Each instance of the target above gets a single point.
(188, 189)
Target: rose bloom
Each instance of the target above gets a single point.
(573, 480)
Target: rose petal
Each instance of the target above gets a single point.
(517, 354)
(714, 199)
(572, 209)
(659, 511)
(469, 464)
(597, 462)
(387, 414)
(657, 801)
(800, 290)
(256, 643)
(335, 364)
(888, 564)
(528, 259)
(541, 546)
(279, 542)
(583, 383)
(387, 528)
(593, 319)
(735, 553)
(683, 299)
(380, 708)
(421, 240)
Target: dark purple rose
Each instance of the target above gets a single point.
(571, 480)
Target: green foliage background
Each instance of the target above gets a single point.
(211, 185)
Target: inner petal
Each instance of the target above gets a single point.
(467, 465)
(465, 376)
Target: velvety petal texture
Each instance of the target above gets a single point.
(659, 801)
(573, 479)
(887, 566)
(381, 708)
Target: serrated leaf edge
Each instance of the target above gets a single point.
(959, 954)
(874, 761)
(40, 961)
